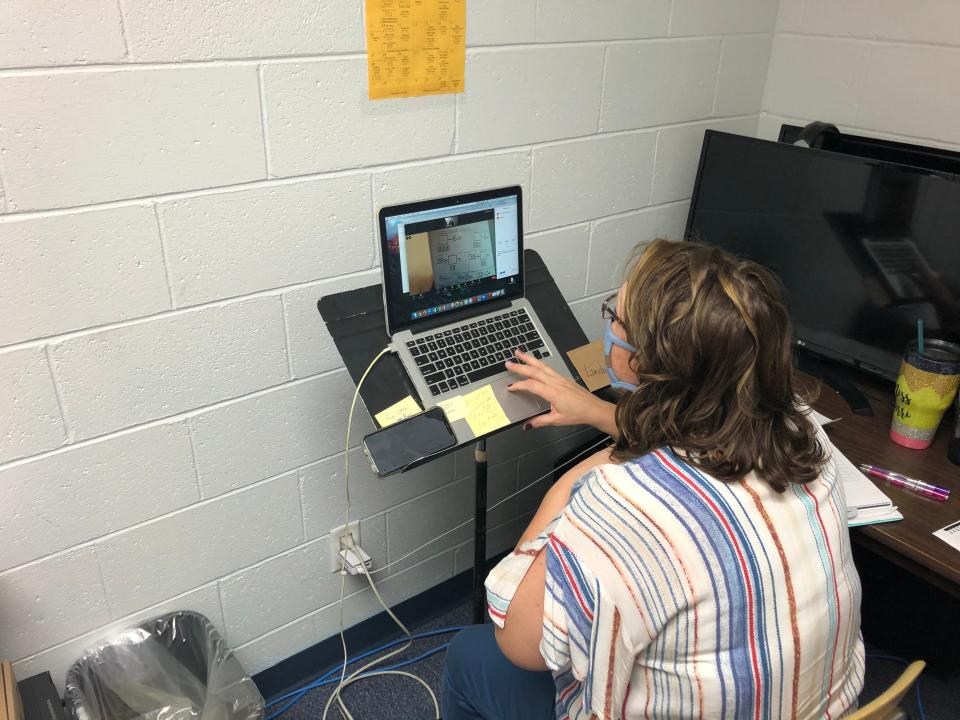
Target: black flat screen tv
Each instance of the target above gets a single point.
(863, 247)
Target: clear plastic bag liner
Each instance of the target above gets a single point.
(173, 667)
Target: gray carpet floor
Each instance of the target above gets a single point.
(396, 698)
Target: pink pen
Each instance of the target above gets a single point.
(907, 483)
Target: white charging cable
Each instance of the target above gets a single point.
(359, 674)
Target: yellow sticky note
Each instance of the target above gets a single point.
(415, 48)
(454, 408)
(484, 413)
(398, 411)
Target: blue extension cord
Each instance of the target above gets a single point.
(330, 677)
(916, 685)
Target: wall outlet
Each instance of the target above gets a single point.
(338, 532)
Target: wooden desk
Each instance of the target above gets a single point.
(908, 543)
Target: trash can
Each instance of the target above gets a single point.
(173, 667)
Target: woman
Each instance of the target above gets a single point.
(699, 569)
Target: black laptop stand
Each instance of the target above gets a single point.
(356, 323)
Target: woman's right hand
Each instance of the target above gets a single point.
(570, 403)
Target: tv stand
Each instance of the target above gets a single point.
(852, 395)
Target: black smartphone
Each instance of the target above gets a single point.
(396, 446)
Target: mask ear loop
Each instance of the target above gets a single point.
(609, 340)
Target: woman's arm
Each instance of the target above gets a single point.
(570, 403)
(558, 496)
(519, 639)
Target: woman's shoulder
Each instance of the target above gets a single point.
(611, 480)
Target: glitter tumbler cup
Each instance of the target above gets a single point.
(926, 386)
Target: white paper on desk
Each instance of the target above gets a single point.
(872, 506)
(950, 534)
(821, 420)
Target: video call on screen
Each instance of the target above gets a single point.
(453, 259)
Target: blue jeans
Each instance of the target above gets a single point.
(479, 683)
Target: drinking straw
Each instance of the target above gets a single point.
(920, 335)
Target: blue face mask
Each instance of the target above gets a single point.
(609, 340)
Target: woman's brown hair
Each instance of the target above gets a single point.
(714, 367)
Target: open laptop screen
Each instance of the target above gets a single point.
(450, 254)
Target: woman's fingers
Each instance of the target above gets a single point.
(531, 367)
(544, 420)
(532, 386)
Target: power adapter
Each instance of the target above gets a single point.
(354, 560)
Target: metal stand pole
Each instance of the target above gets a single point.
(480, 532)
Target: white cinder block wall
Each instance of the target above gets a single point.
(882, 68)
(181, 181)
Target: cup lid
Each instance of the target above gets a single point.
(939, 356)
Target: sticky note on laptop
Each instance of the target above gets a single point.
(591, 365)
(484, 412)
(398, 411)
(454, 408)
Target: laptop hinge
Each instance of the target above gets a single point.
(487, 307)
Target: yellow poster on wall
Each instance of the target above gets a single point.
(415, 47)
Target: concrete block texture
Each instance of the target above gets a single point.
(233, 243)
(531, 90)
(311, 348)
(29, 407)
(588, 179)
(659, 81)
(561, 20)
(319, 119)
(912, 90)
(176, 553)
(565, 253)
(83, 492)
(815, 77)
(929, 21)
(743, 72)
(452, 176)
(187, 30)
(695, 17)
(486, 22)
(323, 491)
(271, 648)
(72, 601)
(614, 240)
(678, 156)
(46, 33)
(269, 433)
(67, 272)
(411, 524)
(79, 137)
(587, 313)
(148, 370)
(283, 588)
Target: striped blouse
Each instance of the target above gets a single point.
(670, 594)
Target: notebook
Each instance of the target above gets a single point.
(866, 503)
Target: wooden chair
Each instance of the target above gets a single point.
(886, 705)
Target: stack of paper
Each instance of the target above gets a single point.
(866, 505)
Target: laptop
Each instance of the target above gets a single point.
(454, 302)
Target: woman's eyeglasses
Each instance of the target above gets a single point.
(607, 311)
(610, 339)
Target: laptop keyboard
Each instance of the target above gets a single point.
(474, 351)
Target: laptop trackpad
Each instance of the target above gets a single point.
(517, 405)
